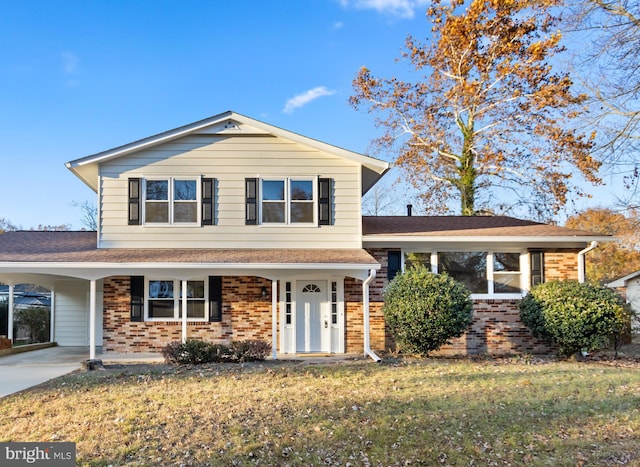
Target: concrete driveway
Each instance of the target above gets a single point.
(23, 370)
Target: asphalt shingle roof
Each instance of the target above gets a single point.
(464, 226)
(37, 246)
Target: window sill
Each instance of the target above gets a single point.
(502, 296)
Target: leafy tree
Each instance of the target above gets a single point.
(37, 320)
(574, 316)
(425, 310)
(610, 260)
(610, 72)
(488, 117)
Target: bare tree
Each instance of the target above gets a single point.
(89, 217)
(610, 71)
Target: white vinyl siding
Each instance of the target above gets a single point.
(71, 326)
(229, 160)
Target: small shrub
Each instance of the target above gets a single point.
(425, 310)
(574, 316)
(195, 352)
(5, 343)
(250, 351)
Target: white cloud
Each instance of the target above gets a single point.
(337, 25)
(306, 97)
(70, 62)
(400, 8)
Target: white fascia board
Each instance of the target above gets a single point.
(101, 270)
(148, 142)
(395, 240)
(370, 162)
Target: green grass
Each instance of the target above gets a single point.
(422, 412)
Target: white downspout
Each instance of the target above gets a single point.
(581, 261)
(92, 319)
(274, 319)
(184, 311)
(365, 307)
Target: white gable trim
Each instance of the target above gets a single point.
(225, 123)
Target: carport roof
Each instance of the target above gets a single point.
(81, 247)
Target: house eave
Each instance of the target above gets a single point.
(98, 270)
(407, 241)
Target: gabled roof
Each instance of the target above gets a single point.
(226, 123)
(622, 281)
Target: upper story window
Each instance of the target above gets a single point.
(288, 201)
(171, 201)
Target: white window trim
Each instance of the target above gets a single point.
(524, 272)
(177, 300)
(171, 201)
(287, 200)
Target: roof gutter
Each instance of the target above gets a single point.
(365, 306)
(581, 261)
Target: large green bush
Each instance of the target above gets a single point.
(425, 310)
(574, 316)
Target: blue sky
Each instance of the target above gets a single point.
(80, 77)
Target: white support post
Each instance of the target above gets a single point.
(92, 319)
(10, 320)
(184, 311)
(274, 319)
(52, 323)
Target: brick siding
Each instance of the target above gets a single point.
(496, 327)
(245, 316)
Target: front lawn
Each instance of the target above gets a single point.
(402, 412)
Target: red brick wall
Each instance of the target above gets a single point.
(246, 315)
(496, 327)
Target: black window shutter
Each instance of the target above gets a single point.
(324, 201)
(137, 298)
(207, 201)
(537, 267)
(135, 187)
(215, 299)
(394, 264)
(251, 201)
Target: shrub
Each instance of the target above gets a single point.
(574, 316)
(425, 310)
(37, 320)
(195, 352)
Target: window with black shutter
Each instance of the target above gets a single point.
(137, 298)
(207, 201)
(134, 201)
(251, 201)
(324, 201)
(215, 299)
(394, 264)
(537, 267)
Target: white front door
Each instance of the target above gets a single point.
(313, 332)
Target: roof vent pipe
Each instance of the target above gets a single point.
(409, 209)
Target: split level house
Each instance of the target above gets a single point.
(232, 229)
